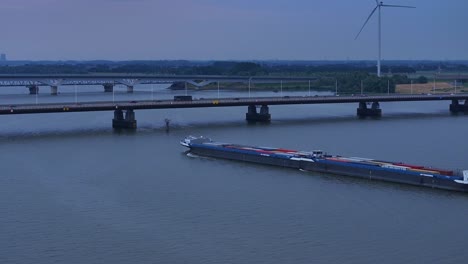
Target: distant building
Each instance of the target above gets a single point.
(3, 57)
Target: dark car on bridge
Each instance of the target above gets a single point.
(183, 98)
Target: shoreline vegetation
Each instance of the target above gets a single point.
(352, 82)
(348, 84)
(351, 77)
(244, 86)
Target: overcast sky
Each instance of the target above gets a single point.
(230, 29)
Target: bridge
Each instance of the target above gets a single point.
(367, 105)
(108, 81)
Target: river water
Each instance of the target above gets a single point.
(72, 190)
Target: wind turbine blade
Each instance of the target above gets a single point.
(377, 2)
(365, 23)
(399, 6)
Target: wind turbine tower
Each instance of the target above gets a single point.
(379, 8)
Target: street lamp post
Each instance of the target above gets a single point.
(336, 87)
(281, 87)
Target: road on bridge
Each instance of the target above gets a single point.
(214, 102)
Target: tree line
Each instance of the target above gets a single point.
(350, 76)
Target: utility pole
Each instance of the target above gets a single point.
(281, 88)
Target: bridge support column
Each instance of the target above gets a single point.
(33, 89)
(253, 116)
(129, 89)
(108, 88)
(120, 122)
(374, 111)
(456, 107)
(53, 90)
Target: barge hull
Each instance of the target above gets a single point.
(323, 166)
(245, 157)
(384, 175)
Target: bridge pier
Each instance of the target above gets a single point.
(253, 116)
(53, 90)
(108, 87)
(456, 107)
(374, 111)
(129, 88)
(33, 89)
(120, 122)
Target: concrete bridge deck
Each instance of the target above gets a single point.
(215, 102)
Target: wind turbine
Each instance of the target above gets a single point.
(379, 7)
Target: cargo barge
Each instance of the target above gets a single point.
(318, 161)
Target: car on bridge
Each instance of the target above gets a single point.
(183, 98)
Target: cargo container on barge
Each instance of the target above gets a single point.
(318, 161)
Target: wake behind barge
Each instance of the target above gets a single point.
(318, 161)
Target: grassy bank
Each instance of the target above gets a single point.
(440, 87)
